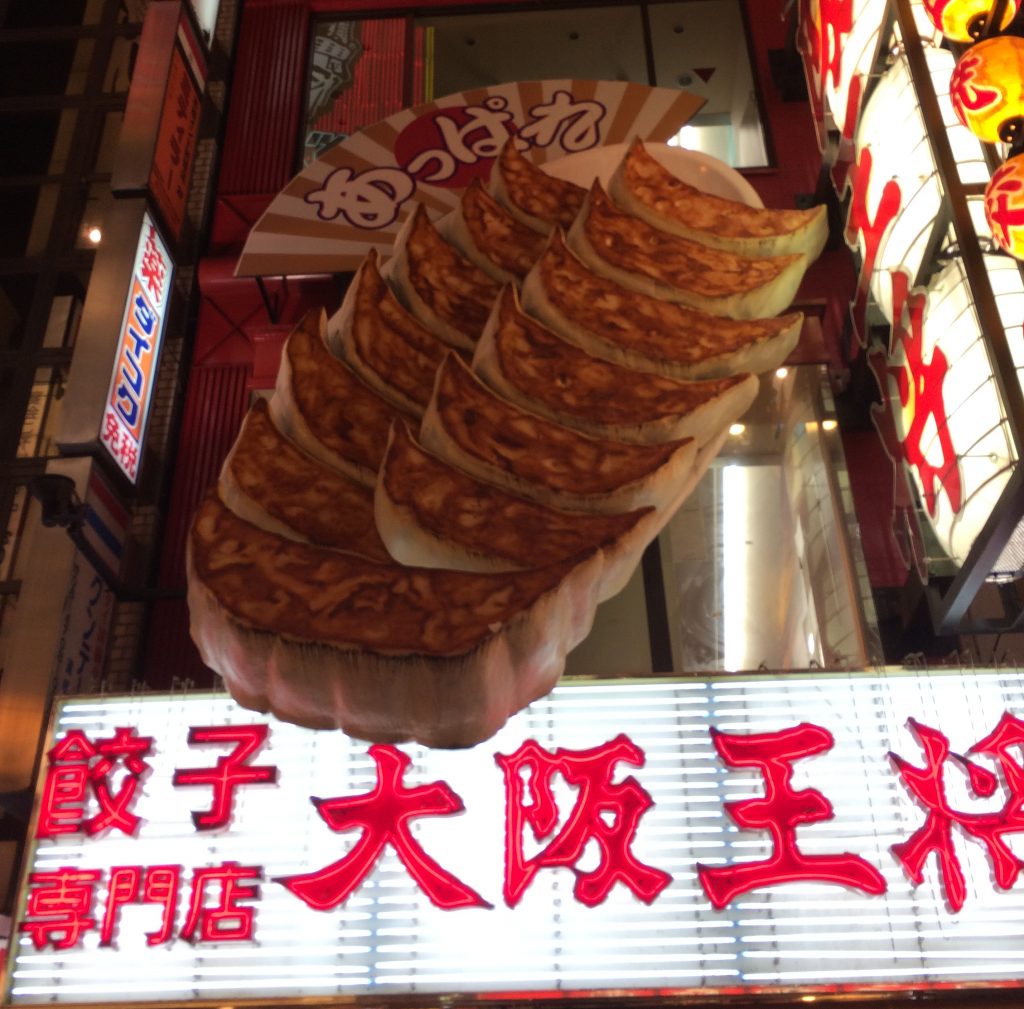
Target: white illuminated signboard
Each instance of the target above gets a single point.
(612, 836)
(126, 411)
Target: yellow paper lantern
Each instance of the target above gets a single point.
(965, 20)
(987, 89)
(1004, 206)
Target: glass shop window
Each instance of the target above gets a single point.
(363, 70)
(700, 47)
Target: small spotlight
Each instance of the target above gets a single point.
(781, 372)
(829, 425)
(737, 429)
(94, 235)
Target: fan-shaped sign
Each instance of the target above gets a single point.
(357, 194)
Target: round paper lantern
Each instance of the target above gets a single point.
(965, 20)
(987, 89)
(1004, 206)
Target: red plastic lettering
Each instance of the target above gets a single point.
(873, 229)
(780, 812)
(158, 884)
(227, 920)
(928, 786)
(60, 905)
(153, 268)
(229, 772)
(383, 816)
(598, 797)
(919, 388)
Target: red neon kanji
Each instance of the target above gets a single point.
(920, 389)
(158, 885)
(859, 222)
(229, 772)
(74, 764)
(128, 749)
(780, 812)
(822, 35)
(65, 787)
(383, 815)
(928, 786)
(61, 901)
(153, 268)
(590, 771)
(227, 920)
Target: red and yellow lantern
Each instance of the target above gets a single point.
(1004, 206)
(987, 89)
(965, 20)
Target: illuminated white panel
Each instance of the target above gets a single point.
(974, 411)
(388, 938)
(892, 127)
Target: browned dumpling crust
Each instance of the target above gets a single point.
(587, 389)
(632, 245)
(637, 329)
(508, 243)
(536, 198)
(643, 184)
(457, 291)
(316, 503)
(308, 593)
(536, 450)
(453, 506)
(389, 342)
(344, 415)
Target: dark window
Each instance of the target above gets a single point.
(36, 68)
(26, 139)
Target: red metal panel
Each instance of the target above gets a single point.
(266, 94)
(216, 402)
(214, 406)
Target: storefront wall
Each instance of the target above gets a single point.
(242, 323)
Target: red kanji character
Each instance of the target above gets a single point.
(966, 91)
(229, 772)
(62, 900)
(153, 268)
(919, 394)
(928, 786)
(384, 815)
(160, 887)
(129, 455)
(871, 229)
(65, 787)
(226, 921)
(780, 812)
(598, 797)
(111, 431)
(127, 748)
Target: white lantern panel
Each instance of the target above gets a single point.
(975, 415)
(892, 127)
(859, 48)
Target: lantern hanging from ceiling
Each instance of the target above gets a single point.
(970, 411)
(965, 20)
(987, 89)
(1004, 206)
(892, 127)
